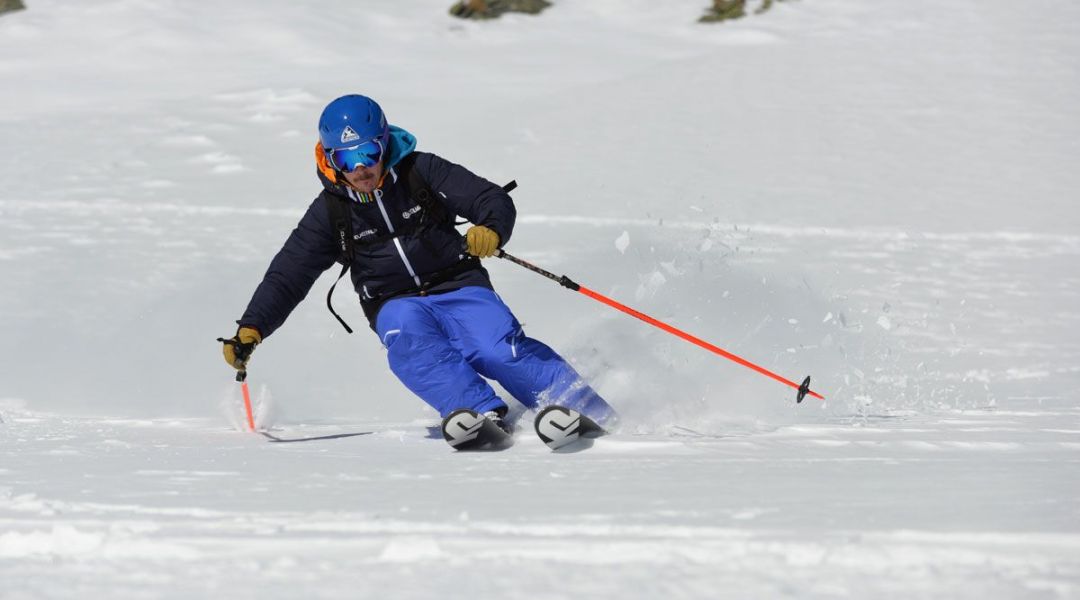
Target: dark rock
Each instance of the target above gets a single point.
(491, 9)
(726, 10)
(11, 5)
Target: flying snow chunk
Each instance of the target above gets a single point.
(885, 323)
(649, 285)
(623, 242)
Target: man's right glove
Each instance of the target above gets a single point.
(481, 241)
(238, 348)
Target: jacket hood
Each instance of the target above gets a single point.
(402, 143)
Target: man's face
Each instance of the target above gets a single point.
(365, 179)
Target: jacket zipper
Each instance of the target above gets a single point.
(397, 241)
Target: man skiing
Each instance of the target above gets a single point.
(420, 281)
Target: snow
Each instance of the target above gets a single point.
(881, 196)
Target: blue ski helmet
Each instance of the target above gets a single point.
(353, 131)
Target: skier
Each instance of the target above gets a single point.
(420, 282)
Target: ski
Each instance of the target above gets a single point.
(468, 430)
(565, 428)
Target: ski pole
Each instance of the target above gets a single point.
(241, 376)
(803, 389)
(242, 352)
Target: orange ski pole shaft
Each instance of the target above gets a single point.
(241, 376)
(803, 389)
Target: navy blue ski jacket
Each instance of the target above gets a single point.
(390, 266)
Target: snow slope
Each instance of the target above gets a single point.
(897, 508)
(875, 194)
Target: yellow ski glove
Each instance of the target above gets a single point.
(238, 349)
(482, 241)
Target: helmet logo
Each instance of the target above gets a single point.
(349, 135)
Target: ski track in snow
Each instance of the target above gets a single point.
(970, 309)
(133, 505)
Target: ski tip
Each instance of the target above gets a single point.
(804, 389)
(559, 427)
(466, 429)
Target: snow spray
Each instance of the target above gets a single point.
(803, 389)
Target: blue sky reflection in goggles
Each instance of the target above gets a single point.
(348, 159)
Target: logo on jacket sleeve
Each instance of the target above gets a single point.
(349, 135)
(412, 211)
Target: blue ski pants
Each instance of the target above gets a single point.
(443, 346)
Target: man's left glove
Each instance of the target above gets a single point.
(482, 242)
(238, 348)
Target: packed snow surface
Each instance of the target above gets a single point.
(881, 195)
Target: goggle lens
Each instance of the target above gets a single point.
(348, 159)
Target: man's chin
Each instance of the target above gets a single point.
(364, 188)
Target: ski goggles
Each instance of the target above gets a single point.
(348, 159)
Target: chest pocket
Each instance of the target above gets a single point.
(383, 220)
